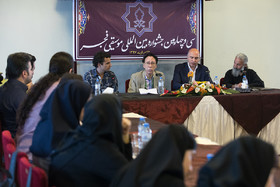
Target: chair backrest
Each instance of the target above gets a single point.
(7, 138)
(126, 85)
(38, 175)
(171, 85)
(1, 147)
(8, 150)
(222, 81)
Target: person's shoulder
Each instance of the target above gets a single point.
(250, 71)
(159, 73)
(202, 66)
(228, 72)
(139, 73)
(181, 64)
(90, 72)
(110, 73)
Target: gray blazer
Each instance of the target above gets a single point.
(137, 80)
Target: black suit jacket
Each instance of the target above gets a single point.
(181, 71)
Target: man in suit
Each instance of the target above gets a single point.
(199, 72)
(147, 78)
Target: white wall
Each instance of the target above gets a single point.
(39, 27)
(248, 26)
(43, 27)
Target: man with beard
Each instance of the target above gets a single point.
(233, 77)
(19, 72)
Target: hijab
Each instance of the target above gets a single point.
(160, 162)
(101, 123)
(59, 114)
(95, 149)
(246, 161)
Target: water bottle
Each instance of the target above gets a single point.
(216, 80)
(244, 82)
(97, 87)
(141, 123)
(146, 134)
(160, 86)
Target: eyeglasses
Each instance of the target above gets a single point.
(150, 63)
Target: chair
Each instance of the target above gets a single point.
(8, 146)
(126, 85)
(171, 85)
(8, 150)
(222, 81)
(38, 175)
(1, 147)
(7, 138)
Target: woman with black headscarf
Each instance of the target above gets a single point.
(247, 161)
(164, 161)
(60, 113)
(93, 153)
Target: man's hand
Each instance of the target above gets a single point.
(237, 85)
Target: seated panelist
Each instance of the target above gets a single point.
(233, 77)
(147, 78)
(181, 71)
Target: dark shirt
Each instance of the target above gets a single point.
(109, 80)
(181, 71)
(12, 93)
(253, 79)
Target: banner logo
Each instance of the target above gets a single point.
(139, 17)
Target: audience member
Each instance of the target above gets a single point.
(93, 153)
(147, 78)
(60, 113)
(247, 161)
(165, 161)
(102, 63)
(181, 71)
(233, 77)
(19, 72)
(28, 114)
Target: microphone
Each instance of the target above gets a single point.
(158, 74)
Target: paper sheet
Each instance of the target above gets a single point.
(133, 115)
(149, 91)
(108, 90)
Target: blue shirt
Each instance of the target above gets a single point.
(109, 80)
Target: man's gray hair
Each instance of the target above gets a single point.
(242, 57)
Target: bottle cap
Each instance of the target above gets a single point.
(146, 124)
(209, 156)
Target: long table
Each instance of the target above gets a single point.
(220, 118)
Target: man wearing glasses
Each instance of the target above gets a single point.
(147, 78)
(198, 71)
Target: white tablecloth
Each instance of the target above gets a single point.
(209, 119)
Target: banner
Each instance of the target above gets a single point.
(129, 29)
